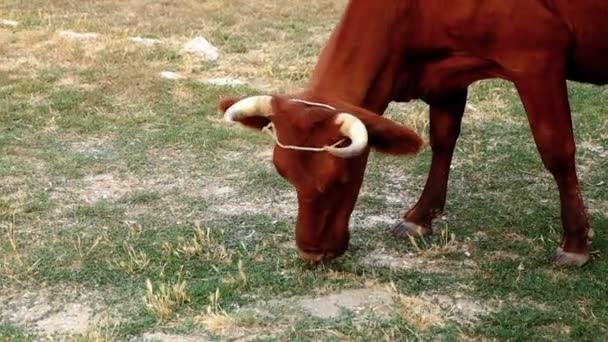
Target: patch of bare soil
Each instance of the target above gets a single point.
(504, 255)
(9, 181)
(162, 337)
(360, 220)
(47, 312)
(393, 190)
(241, 325)
(174, 177)
(12, 196)
(173, 174)
(418, 262)
(95, 188)
(283, 206)
(81, 36)
(428, 310)
(266, 154)
(105, 187)
(594, 149)
(395, 197)
(28, 156)
(599, 207)
(422, 311)
(549, 330)
(72, 318)
(98, 148)
(359, 301)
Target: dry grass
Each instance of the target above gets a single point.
(136, 261)
(215, 319)
(272, 64)
(84, 251)
(99, 333)
(219, 323)
(11, 234)
(203, 245)
(446, 243)
(12, 203)
(489, 104)
(413, 114)
(426, 310)
(420, 313)
(417, 311)
(165, 299)
(239, 279)
(14, 263)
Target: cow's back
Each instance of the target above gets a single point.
(503, 31)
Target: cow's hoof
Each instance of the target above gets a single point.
(404, 230)
(566, 259)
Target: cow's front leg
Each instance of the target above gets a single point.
(546, 102)
(445, 118)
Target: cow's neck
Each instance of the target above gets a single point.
(359, 64)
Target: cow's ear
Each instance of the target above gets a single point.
(389, 137)
(255, 122)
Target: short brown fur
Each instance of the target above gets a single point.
(398, 50)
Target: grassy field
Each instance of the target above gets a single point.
(129, 211)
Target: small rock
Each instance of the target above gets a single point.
(144, 41)
(200, 46)
(170, 75)
(225, 81)
(9, 23)
(78, 35)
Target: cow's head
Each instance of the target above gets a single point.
(322, 152)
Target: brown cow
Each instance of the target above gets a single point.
(398, 50)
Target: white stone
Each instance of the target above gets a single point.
(201, 47)
(144, 41)
(78, 35)
(225, 81)
(9, 23)
(170, 75)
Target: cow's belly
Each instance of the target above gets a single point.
(588, 72)
(589, 60)
(589, 64)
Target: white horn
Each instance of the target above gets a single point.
(352, 128)
(248, 107)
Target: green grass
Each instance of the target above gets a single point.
(110, 176)
(13, 333)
